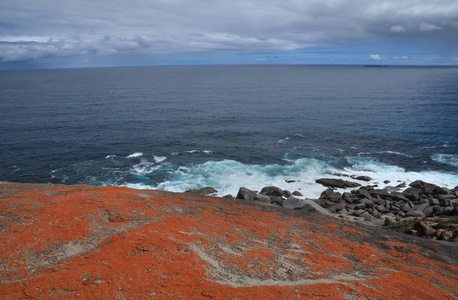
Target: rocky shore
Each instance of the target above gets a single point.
(86, 242)
(421, 209)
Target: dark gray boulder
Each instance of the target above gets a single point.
(246, 194)
(272, 191)
(297, 193)
(263, 198)
(330, 195)
(363, 178)
(336, 183)
(292, 203)
(311, 206)
(276, 200)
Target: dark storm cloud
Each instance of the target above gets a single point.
(32, 30)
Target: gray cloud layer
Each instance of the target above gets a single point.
(32, 30)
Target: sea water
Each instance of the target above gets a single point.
(184, 127)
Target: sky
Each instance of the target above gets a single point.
(101, 33)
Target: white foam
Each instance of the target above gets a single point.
(228, 176)
(380, 172)
(446, 159)
(208, 151)
(396, 153)
(159, 159)
(134, 155)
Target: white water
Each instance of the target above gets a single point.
(227, 176)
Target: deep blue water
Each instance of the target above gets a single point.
(182, 127)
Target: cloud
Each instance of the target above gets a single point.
(374, 57)
(397, 28)
(34, 30)
(428, 27)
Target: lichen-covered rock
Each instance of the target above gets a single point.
(85, 242)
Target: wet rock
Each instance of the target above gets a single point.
(297, 193)
(286, 193)
(246, 194)
(336, 183)
(362, 178)
(203, 191)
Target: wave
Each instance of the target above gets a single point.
(380, 172)
(395, 152)
(134, 155)
(446, 159)
(227, 176)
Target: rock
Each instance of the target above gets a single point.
(366, 216)
(331, 195)
(367, 202)
(381, 208)
(272, 191)
(292, 203)
(415, 213)
(362, 178)
(203, 191)
(169, 244)
(398, 196)
(434, 201)
(297, 193)
(428, 211)
(427, 188)
(423, 229)
(445, 197)
(336, 183)
(246, 194)
(228, 196)
(276, 200)
(382, 193)
(263, 198)
(286, 193)
(445, 236)
(420, 207)
(311, 206)
(363, 193)
(389, 220)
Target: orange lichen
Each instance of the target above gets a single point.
(78, 242)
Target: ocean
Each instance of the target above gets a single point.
(176, 128)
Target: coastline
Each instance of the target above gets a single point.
(111, 242)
